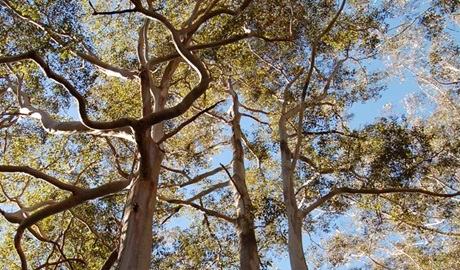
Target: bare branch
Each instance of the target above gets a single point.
(211, 14)
(110, 260)
(222, 42)
(193, 61)
(46, 265)
(205, 175)
(90, 228)
(194, 15)
(328, 132)
(201, 208)
(307, 83)
(77, 199)
(32, 55)
(179, 171)
(20, 215)
(211, 114)
(188, 121)
(251, 149)
(332, 22)
(142, 44)
(64, 128)
(373, 191)
(175, 210)
(254, 110)
(116, 160)
(15, 217)
(208, 191)
(38, 174)
(231, 178)
(255, 118)
(210, 45)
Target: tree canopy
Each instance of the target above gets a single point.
(215, 134)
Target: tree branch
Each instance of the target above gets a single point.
(32, 55)
(202, 209)
(102, 66)
(208, 191)
(422, 227)
(215, 13)
(46, 265)
(231, 178)
(188, 121)
(255, 118)
(202, 176)
(110, 260)
(307, 83)
(38, 174)
(18, 216)
(373, 191)
(327, 132)
(80, 197)
(142, 44)
(63, 128)
(91, 229)
(193, 61)
(95, 12)
(210, 45)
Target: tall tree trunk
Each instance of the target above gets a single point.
(136, 239)
(296, 253)
(248, 252)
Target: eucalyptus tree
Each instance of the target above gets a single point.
(323, 149)
(71, 39)
(164, 92)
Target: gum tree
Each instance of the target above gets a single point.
(119, 121)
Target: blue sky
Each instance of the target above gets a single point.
(365, 113)
(398, 89)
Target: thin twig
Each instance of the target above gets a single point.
(231, 178)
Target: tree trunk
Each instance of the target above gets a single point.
(295, 247)
(136, 240)
(249, 257)
(296, 253)
(136, 236)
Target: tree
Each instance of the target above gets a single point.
(165, 92)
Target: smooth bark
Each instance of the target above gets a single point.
(249, 257)
(296, 253)
(136, 238)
